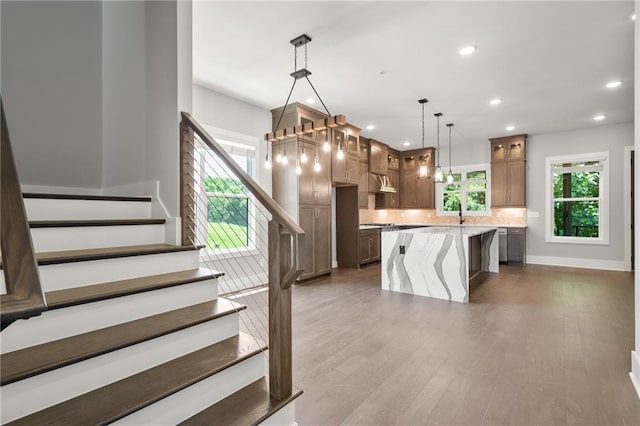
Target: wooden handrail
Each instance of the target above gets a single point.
(285, 245)
(24, 297)
(189, 124)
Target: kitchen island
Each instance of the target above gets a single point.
(438, 261)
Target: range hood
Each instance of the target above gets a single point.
(384, 184)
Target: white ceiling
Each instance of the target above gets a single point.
(372, 61)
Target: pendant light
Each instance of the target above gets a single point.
(423, 170)
(279, 157)
(450, 175)
(267, 162)
(439, 178)
(340, 153)
(297, 74)
(326, 146)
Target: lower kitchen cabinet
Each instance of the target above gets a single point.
(315, 221)
(369, 246)
(516, 245)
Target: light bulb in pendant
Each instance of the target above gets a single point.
(423, 171)
(279, 158)
(439, 178)
(303, 157)
(450, 178)
(340, 153)
(316, 165)
(298, 168)
(267, 162)
(326, 146)
(285, 160)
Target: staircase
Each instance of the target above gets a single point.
(134, 331)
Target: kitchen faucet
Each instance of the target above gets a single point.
(460, 214)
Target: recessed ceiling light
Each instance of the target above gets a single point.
(407, 143)
(613, 84)
(599, 117)
(371, 127)
(467, 50)
(632, 16)
(496, 101)
(510, 128)
(311, 101)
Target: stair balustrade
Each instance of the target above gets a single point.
(23, 297)
(246, 234)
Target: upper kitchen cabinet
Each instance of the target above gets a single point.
(364, 150)
(378, 157)
(314, 187)
(416, 191)
(508, 171)
(344, 156)
(393, 159)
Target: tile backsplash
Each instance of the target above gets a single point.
(499, 216)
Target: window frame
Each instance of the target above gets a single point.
(465, 169)
(250, 144)
(604, 206)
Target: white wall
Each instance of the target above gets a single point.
(51, 87)
(124, 131)
(162, 152)
(224, 112)
(612, 138)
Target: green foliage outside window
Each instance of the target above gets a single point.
(474, 188)
(579, 217)
(227, 216)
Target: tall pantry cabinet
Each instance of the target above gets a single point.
(306, 197)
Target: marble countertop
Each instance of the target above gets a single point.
(464, 230)
(440, 225)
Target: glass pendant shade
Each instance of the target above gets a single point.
(267, 162)
(423, 171)
(439, 178)
(450, 178)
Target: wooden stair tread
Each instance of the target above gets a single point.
(93, 293)
(103, 222)
(28, 362)
(85, 197)
(69, 256)
(250, 405)
(116, 400)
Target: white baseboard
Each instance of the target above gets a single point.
(635, 371)
(611, 265)
(334, 264)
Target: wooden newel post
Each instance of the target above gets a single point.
(187, 183)
(280, 355)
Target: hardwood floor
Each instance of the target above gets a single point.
(537, 346)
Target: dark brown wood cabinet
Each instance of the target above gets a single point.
(369, 246)
(378, 161)
(307, 196)
(508, 171)
(417, 192)
(344, 171)
(363, 185)
(316, 223)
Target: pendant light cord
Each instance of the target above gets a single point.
(450, 126)
(422, 125)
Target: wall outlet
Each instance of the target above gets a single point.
(403, 250)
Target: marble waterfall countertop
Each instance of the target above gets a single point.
(438, 261)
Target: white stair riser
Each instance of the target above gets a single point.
(286, 416)
(184, 404)
(66, 322)
(78, 274)
(91, 237)
(36, 393)
(50, 209)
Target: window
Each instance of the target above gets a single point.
(469, 192)
(229, 214)
(577, 202)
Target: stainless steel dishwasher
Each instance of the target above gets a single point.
(502, 245)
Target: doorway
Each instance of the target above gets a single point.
(629, 207)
